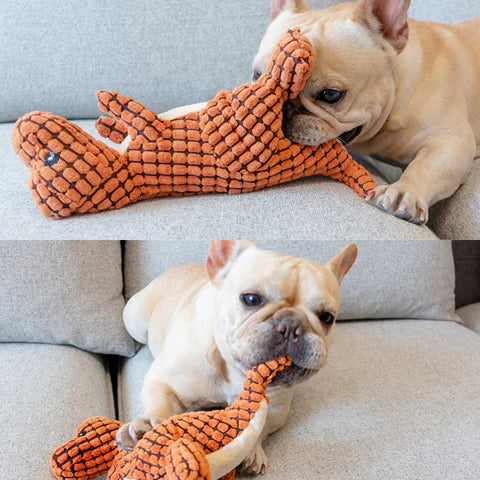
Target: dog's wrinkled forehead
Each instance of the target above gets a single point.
(332, 30)
(282, 278)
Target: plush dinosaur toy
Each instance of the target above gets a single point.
(190, 446)
(235, 144)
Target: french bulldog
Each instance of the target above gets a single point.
(390, 87)
(208, 324)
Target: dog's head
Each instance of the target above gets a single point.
(269, 305)
(352, 87)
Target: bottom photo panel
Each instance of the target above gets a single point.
(234, 358)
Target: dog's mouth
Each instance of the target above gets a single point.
(351, 135)
(292, 110)
(292, 375)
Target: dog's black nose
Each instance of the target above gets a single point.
(289, 323)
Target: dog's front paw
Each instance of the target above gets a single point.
(130, 433)
(400, 201)
(255, 463)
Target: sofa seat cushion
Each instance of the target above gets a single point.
(398, 399)
(310, 209)
(46, 392)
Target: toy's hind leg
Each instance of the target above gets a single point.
(187, 460)
(71, 171)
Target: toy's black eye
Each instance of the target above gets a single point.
(51, 159)
(82, 434)
(330, 96)
(256, 75)
(326, 318)
(252, 299)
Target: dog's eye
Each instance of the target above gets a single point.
(256, 75)
(326, 318)
(330, 96)
(252, 299)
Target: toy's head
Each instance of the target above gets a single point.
(90, 453)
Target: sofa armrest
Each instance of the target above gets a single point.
(458, 217)
(470, 315)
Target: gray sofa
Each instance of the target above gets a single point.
(398, 399)
(56, 54)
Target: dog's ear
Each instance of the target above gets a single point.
(296, 6)
(388, 17)
(341, 264)
(223, 253)
(292, 62)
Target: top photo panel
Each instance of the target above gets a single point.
(286, 119)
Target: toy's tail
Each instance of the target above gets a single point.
(90, 453)
(345, 169)
(138, 119)
(358, 178)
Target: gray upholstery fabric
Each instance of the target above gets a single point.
(311, 209)
(397, 400)
(130, 382)
(428, 10)
(470, 315)
(387, 281)
(46, 392)
(457, 217)
(57, 53)
(63, 293)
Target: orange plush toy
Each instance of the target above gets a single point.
(234, 145)
(191, 446)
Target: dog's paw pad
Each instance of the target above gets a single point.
(255, 463)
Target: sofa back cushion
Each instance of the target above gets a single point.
(66, 293)
(56, 53)
(409, 279)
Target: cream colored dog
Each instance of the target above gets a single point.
(391, 87)
(206, 326)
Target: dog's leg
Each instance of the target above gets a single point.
(437, 171)
(160, 402)
(280, 401)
